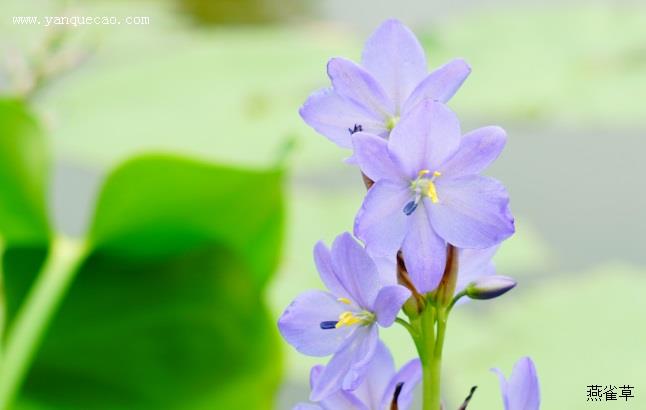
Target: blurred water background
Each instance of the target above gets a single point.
(566, 79)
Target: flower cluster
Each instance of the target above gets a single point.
(423, 238)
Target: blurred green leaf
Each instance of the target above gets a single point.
(24, 163)
(168, 310)
(158, 205)
(184, 332)
(23, 176)
(20, 265)
(241, 11)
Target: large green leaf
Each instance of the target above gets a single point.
(158, 205)
(168, 310)
(182, 332)
(23, 176)
(24, 164)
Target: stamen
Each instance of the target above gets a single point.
(353, 318)
(345, 301)
(432, 192)
(356, 128)
(410, 207)
(424, 185)
(327, 325)
(398, 389)
(347, 319)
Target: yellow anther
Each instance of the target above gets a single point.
(432, 192)
(344, 300)
(347, 319)
(425, 185)
(345, 315)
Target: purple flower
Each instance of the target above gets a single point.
(428, 193)
(521, 391)
(377, 391)
(391, 80)
(343, 321)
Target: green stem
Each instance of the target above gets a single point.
(430, 373)
(455, 300)
(411, 330)
(441, 332)
(28, 327)
(433, 324)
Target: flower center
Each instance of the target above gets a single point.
(423, 186)
(348, 318)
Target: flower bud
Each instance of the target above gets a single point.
(489, 287)
(412, 307)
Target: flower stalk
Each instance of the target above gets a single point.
(429, 340)
(431, 366)
(436, 360)
(433, 322)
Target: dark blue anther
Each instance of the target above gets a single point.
(330, 324)
(357, 128)
(410, 207)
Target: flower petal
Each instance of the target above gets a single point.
(315, 373)
(308, 406)
(396, 59)
(478, 149)
(409, 376)
(474, 264)
(425, 138)
(363, 355)
(325, 267)
(473, 212)
(351, 81)
(387, 267)
(341, 400)
(504, 387)
(371, 153)
(389, 302)
(336, 117)
(441, 84)
(346, 369)
(424, 251)
(356, 271)
(523, 388)
(300, 324)
(378, 375)
(381, 222)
